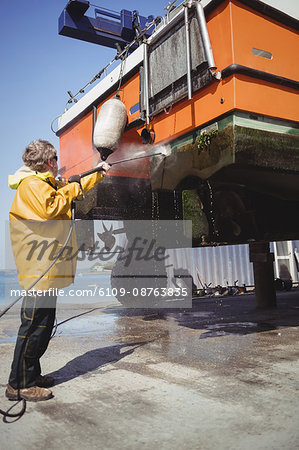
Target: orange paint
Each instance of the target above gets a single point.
(273, 100)
(220, 32)
(185, 116)
(76, 152)
(130, 144)
(252, 29)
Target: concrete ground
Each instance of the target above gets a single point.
(222, 375)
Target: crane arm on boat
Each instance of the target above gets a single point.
(105, 28)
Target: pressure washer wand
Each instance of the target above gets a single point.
(133, 159)
(98, 169)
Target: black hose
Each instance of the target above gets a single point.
(19, 414)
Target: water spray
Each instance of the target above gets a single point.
(165, 151)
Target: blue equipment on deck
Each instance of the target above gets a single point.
(111, 30)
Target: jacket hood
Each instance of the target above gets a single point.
(24, 172)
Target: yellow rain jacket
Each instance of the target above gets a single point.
(39, 224)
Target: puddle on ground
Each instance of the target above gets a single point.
(8, 336)
(202, 314)
(236, 329)
(86, 326)
(75, 326)
(8, 340)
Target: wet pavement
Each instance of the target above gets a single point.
(222, 375)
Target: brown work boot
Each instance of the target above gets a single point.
(31, 394)
(44, 381)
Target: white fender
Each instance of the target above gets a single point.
(110, 125)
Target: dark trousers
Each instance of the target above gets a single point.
(37, 320)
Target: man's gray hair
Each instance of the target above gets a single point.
(37, 153)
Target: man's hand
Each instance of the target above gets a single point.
(104, 167)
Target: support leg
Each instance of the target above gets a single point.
(263, 271)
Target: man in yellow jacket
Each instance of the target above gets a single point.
(40, 213)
